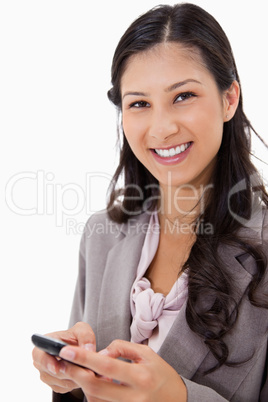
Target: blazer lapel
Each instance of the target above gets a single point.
(114, 316)
(184, 350)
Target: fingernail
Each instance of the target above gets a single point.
(67, 353)
(89, 346)
(106, 378)
(51, 368)
(62, 367)
(104, 352)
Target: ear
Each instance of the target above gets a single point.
(230, 101)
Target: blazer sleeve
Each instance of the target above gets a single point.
(78, 305)
(76, 314)
(197, 393)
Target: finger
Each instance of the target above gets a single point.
(80, 334)
(58, 385)
(99, 363)
(93, 399)
(51, 370)
(95, 387)
(45, 362)
(127, 350)
(51, 373)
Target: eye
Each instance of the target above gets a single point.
(139, 104)
(184, 96)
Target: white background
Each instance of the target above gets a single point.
(57, 122)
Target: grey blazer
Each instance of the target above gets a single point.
(109, 256)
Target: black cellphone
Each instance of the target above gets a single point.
(49, 345)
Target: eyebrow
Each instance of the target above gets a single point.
(180, 84)
(169, 89)
(133, 93)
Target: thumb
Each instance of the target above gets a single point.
(127, 350)
(81, 334)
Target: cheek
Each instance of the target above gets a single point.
(209, 124)
(133, 129)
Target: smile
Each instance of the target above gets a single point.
(167, 153)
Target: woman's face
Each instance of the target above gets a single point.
(173, 114)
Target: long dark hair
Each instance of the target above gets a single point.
(193, 27)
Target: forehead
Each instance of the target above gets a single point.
(162, 63)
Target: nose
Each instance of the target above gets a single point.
(163, 124)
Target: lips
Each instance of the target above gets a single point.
(172, 155)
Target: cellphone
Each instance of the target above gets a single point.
(49, 345)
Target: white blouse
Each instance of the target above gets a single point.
(153, 313)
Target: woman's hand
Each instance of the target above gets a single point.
(147, 378)
(50, 367)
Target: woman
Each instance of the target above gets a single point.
(177, 264)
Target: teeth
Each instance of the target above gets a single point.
(165, 153)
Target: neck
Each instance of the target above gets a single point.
(181, 206)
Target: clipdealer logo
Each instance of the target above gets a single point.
(47, 197)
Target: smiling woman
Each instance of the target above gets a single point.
(172, 274)
(170, 119)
